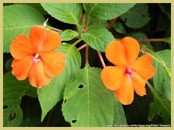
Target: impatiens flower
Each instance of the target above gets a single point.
(128, 74)
(34, 57)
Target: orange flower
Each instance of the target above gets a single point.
(34, 58)
(128, 74)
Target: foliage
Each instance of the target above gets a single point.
(78, 97)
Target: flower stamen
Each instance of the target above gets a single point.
(129, 71)
(36, 55)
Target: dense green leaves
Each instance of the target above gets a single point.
(162, 88)
(13, 92)
(87, 102)
(38, 7)
(106, 11)
(52, 93)
(68, 13)
(68, 35)
(119, 27)
(161, 81)
(18, 19)
(137, 16)
(97, 37)
(97, 22)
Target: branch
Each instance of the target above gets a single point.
(153, 40)
(81, 47)
(101, 59)
(111, 23)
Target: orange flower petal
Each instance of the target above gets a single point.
(21, 47)
(131, 47)
(52, 41)
(54, 63)
(44, 40)
(115, 53)
(143, 67)
(37, 76)
(138, 84)
(112, 77)
(37, 36)
(20, 68)
(125, 94)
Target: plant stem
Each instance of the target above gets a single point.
(87, 47)
(55, 29)
(86, 24)
(153, 40)
(155, 94)
(78, 28)
(111, 23)
(81, 47)
(160, 60)
(101, 59)
(98, 52)
(86, 54)
(82, 17)
(76, 42)
(45, 23)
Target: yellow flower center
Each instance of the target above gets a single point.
(36, 55)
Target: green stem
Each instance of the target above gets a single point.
(45, 23)
(55, 29)
(155, 94)
(159, 60)
(78, 28)
(76, 42)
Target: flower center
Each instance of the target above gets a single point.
(36, 57)
(129, 71)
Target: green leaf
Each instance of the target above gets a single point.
(53, 92)
(13, 91)
(160, 107)
(68, 35)
(68, 13)
(97, 22)
(119, 27)
(97, 37)
(106, 11)
(161, 81)
(18, 19)
(38, 7)
(87, 102)
(137, 16)
(141, 36)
